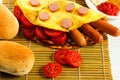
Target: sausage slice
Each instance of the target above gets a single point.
(44, 16)
(70, 7)
(82, 10)
(53, 7)
(66, 23)
(35, 2)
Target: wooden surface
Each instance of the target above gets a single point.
(95, 66)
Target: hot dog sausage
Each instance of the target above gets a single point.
(106, 27)
(70, 7)
(77, 37)
(91, 33)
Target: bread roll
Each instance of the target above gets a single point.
(15, 58)
(9, 25)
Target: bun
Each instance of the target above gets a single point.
(15, 58)
(9, 25)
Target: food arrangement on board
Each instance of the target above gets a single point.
(60, 23)
(52, 23)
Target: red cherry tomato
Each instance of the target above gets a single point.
(52, 33)
(28, 33)
(60, 56)
(73, 58)
(61, 39)
(40, 33)
(17, 12)
(52, 69)
(25, 22)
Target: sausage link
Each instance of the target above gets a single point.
(91, 33)
(77, 37)
(106, 27)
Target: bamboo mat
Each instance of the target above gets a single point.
(95, 66)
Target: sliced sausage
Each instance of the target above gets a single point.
(106, 27)
(35, 2)
(70, 7)
(91, 33)
(77, 37)
(53, 7)
(82, 10)
(66, 23)
(44, 16)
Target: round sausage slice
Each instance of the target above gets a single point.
(44, 16)
(35, 2)
(82, 10)
(70, 7)
(54, 7)
(66, 23)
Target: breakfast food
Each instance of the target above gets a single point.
(58, 23)
(15, 58)
(9, 25)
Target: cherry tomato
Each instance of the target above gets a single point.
(52, 33)
(25, 22)
(73, 58)
(61, 39)
(17, 12)
(40, 33)
(60, 56)
(28, 33)
(52, 69)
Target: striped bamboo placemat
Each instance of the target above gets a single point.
(95, 66)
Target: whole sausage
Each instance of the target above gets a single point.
(77, 37)
(91, 33)
(106, 27)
